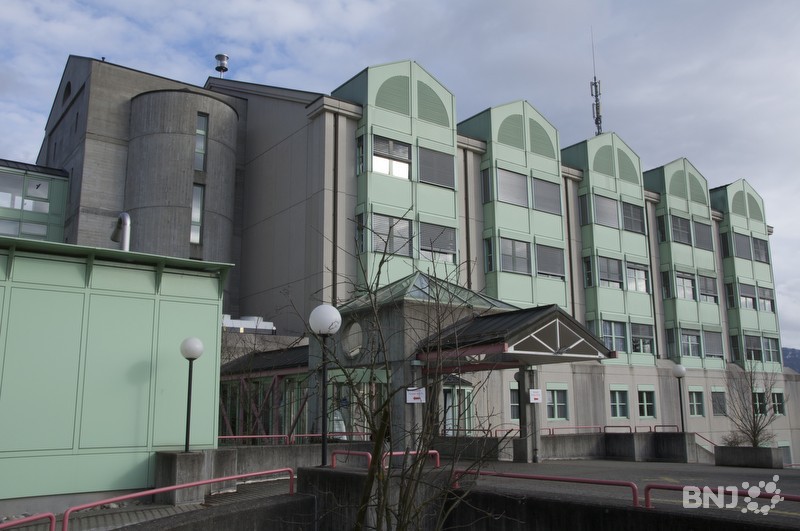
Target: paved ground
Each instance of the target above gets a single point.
(642, 474)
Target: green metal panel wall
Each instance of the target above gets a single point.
(92, 382)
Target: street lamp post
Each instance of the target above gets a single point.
(679, 371)
(324, 321)
(191, 349)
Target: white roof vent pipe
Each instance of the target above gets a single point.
(122, 231)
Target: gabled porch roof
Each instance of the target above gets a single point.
(533, 336)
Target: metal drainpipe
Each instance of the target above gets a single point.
(570, 246)
(122, 232)
(467, 220)
(335, 239)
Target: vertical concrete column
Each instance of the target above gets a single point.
(526, 448)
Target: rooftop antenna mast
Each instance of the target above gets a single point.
(594, 85)
(222, 64)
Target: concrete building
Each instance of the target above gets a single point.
(308, 193)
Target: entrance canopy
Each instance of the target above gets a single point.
(534, 336)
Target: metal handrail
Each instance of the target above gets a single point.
(655, 428)
(554, 428)
(270, 437)
(606, 427)
(68, 512)
(648, 502)
(29, 519)
(368, 455)
(709, 441)
(604, 482)
(331, 435)
(431, 453)
(648, 430)
(484, 431)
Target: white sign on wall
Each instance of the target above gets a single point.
(536, 396)
(415, 395)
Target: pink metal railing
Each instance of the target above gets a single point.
(648, 502)
(604, 482)
(598, 428)
(284, 438)
(350, 452)
(655, 428)
(450, 432)
(29, 519)
(606, 428)
(68, 512)
(431, 453)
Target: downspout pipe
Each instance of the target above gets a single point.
(122, 231)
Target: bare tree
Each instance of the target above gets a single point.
(752, 404)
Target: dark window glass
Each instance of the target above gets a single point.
(766, 300)
(666, 285)
(681, 230)
(632, 218)
(662, 229)
(725, 241)
(437, 243)
(488, 255)
(437, 168)
(588, 280)
(392, 235)
(486, 185)
(684, 286)
(546, 196)
(761, 250)
(610, 271)
(702, 236)
(718, 406)
(712, 344)
(515, 256)
(549, 261)
(642, 339)
(741, 243)
(747, 296)
(752, 348)
(512, 187)
(708, 289)
(583, 209)
(605, 211)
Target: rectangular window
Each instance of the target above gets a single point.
(730, 294)
(666, 285)
(605, 211)
(198, 199)
(690, 343)
(761, 250)
(712, 344)
(619, 404)
(759, 403)
(638, 278)
(702, 236)
(614, 336)
(708, 289)
(778, 404)
(360, 229)
(725, 241)
(512, 187)
(610, 271)
(662, 229)
(583, 209)
(747, 296)
(549, 261)
(437, 168)
(647, 403)
(391, 157)
(736, 352)
(642, 339)
(632, 218)
(741, 244)
(681, 230)
(513, 399)
(696, 408)
(200, 142)
(360, 159)
(546, 196)
(718, 406)
(486, 185)
(671, 347)
(437, 243)
(684, 286)
(488, 255)
(766, 300)
(771, 350)
(752, 348)
(588, 279)
(391, 235)
(557, 404)
(515, 256)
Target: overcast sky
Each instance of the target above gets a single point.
(715, 81)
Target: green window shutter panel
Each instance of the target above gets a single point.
(430, 106)
(627, 171)
(737, 204)
(604, 160)
(394, 95)
(540, 140)
(511, 132)
(677, 184)
(697, 191)
(754, 208)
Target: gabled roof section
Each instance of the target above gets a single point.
(33, 168)
(534, 336)
(270, 361)
(425, 288)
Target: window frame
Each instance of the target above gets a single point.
(685, 285)
(719, 408)
(707, 289)
(202, 124)
(703, 238)
(557, 409)
(633, 218)
(540, 259)
(760, 250)
(615, 335)
(515, 259)
(641, 335)
(691, 348)
(543, 194)
(638, 276)
(681, 229)
(778, 403)
(619, 404)
(710, 349)
(747, 297)
(602, 211)
(696, 404)
(388, 242)
(647, 403)
(398, 165)
(442, 248)
(436, 168)
(766, 299)
(509, 184)
(197, 214)
(606, 276)
(741, 250)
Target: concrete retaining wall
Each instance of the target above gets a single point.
(748, 457)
